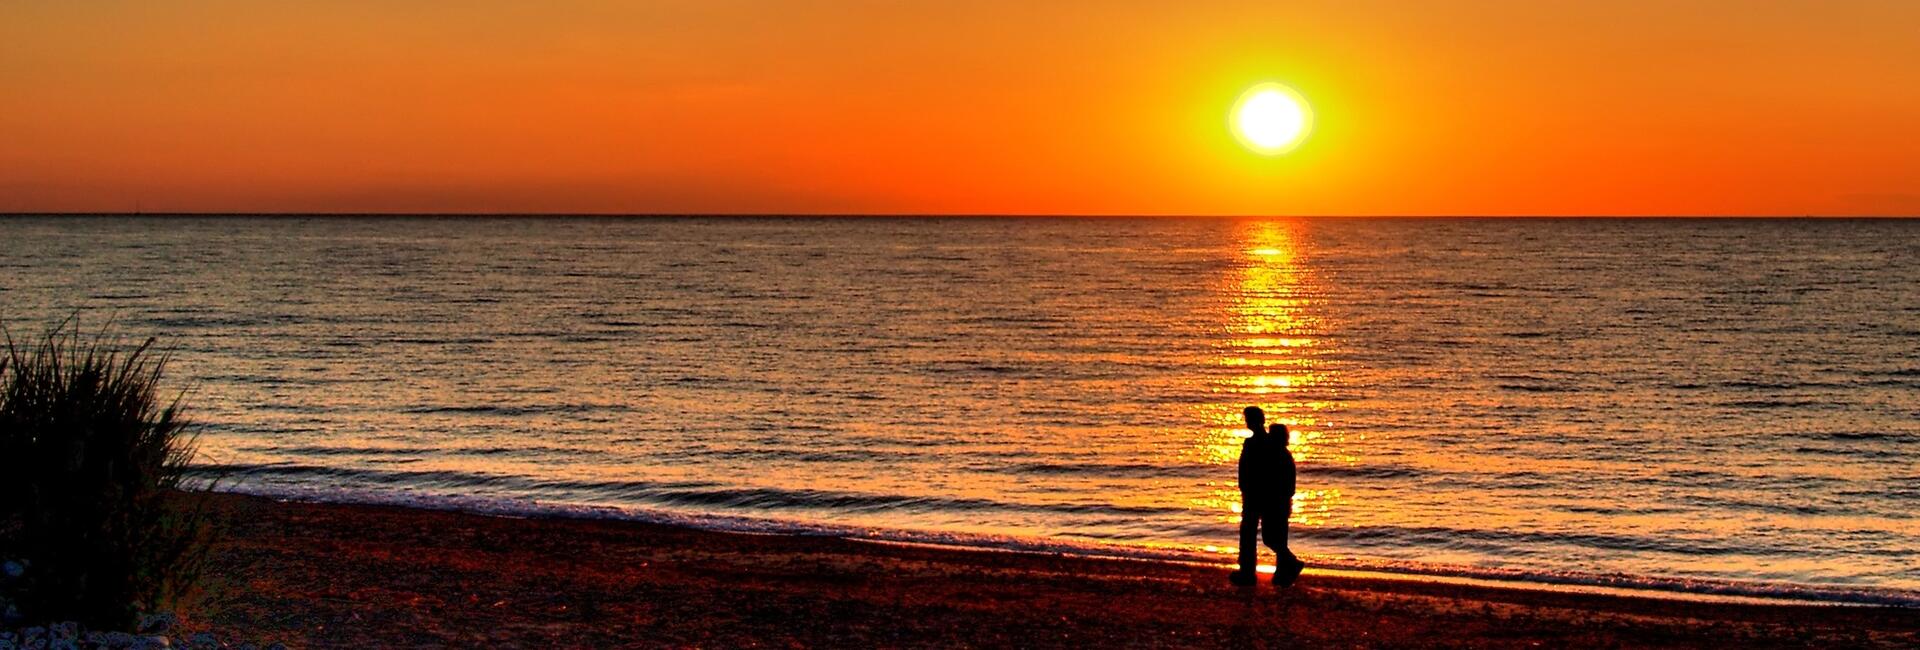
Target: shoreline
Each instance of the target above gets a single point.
(356, 575)
(1655, 587)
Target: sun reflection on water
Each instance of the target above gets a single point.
(1271, 357)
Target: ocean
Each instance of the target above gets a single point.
(1713, 406)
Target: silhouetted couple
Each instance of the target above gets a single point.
(1266, 500)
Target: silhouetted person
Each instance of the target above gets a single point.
(1266, 500)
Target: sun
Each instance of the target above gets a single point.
(1271, 119)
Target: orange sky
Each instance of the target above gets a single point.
(1422, 107)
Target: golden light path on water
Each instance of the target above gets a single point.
(1273, 341)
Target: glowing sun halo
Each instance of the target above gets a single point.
(1271, 119)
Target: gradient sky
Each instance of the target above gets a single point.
(1460, 107)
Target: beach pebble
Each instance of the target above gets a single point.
(13, 568)
(155, 642)
(203, 641)
(63, 631)
(112, 639)
(157, 623)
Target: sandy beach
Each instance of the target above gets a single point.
(346, 576)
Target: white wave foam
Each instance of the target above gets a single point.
(1645, 586)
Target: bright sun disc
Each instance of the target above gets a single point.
(1271, 119)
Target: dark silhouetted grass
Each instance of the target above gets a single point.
(92, 459)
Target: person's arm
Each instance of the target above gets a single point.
(1290, 474)
(1241, 478)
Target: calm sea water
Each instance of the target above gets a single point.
(1695, 405)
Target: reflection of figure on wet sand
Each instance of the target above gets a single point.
(1266, 500)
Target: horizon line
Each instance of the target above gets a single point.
(938, 215)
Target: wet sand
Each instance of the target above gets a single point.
(347, 576)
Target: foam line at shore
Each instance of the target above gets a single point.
(1644, 586)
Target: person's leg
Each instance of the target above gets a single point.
(1276, 531)
(1286, 565)
(1249, 552)
(1249, 540)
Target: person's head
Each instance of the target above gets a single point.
(1256, 419)
(1278, 430)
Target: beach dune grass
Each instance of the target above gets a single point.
(92, 462)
